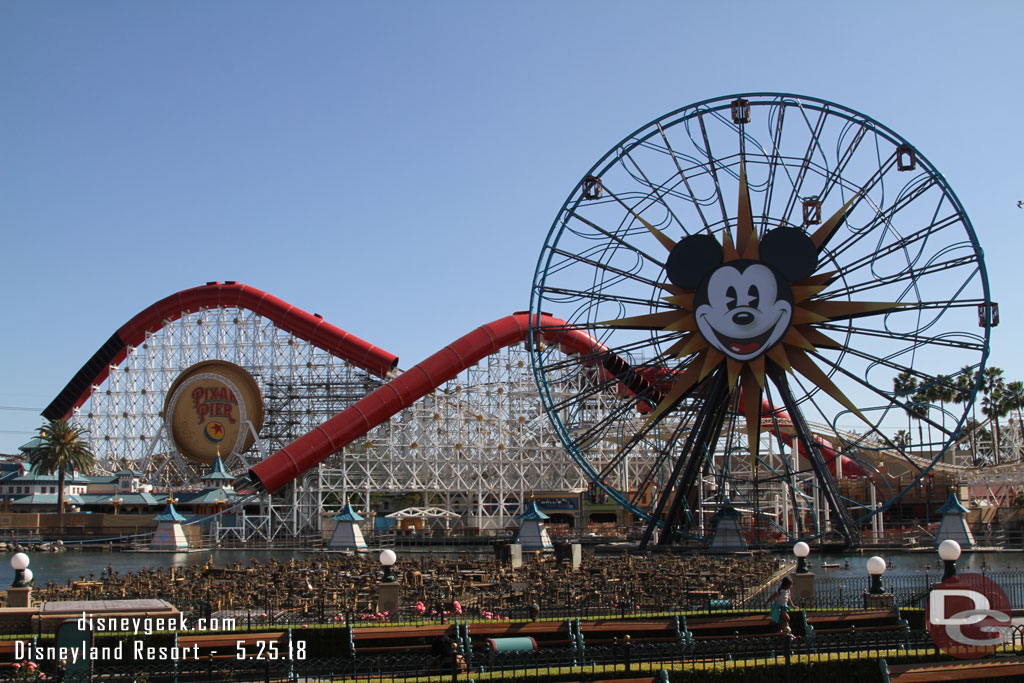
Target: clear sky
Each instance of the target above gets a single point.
(395, 166)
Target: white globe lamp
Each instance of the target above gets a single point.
(876, 567)
(387, 560)
(949, 551)
(19, 563)
(801, 550)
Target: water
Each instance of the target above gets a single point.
(903, 563)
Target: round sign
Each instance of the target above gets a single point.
(968, 616)
(207, 410)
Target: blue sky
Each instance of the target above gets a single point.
(396, 166)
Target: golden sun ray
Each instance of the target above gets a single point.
(665, 240)
(751, 391)
(791, 352)
(823, 234)
(803, 364)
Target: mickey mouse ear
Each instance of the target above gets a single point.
(692, 259)
(790, 252)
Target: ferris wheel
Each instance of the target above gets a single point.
(773, 284)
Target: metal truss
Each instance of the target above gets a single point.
(481, 444)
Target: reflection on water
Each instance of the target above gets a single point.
(902, 563)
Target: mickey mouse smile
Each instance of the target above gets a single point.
(743, 308)
(740, 347)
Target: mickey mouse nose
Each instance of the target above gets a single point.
(743, 318)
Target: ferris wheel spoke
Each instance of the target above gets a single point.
(616, 239)
(907, 275)
(835, 178)
(813, 451)
(884, 218)
(889, 396)
(898, 272)
(568, 295)
(640, 436)
(773, 166)
(713, 166)
(812, 144)
(950, 340)
(633, 276)
(686, 182)
(659, 189)
(900, 246)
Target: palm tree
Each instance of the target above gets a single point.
(963, 391)
(905, 385)
(1015, 398)
(994, 404)
(63, 448)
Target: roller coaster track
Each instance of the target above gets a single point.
(398, 393)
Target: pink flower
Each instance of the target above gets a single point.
(32, 665)
(17, 665)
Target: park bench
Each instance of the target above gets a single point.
(383, 640)
(960, 670)
(7, 650)
(232, 645)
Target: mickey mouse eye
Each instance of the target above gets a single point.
(730, 297)
(755, 296)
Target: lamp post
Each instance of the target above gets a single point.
(20, 564)
(20, 592)
(876, 567)
(388, 589)
(949, 551)
(803, 579)
(801, 550)
(387, 560)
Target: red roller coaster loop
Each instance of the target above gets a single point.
(306, 326)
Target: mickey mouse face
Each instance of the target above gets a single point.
(745, 309)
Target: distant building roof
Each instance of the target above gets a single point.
(30, 445)
(207, 497)
(169, 515)
(347, 514)
(217, 472)
(45, 499)
(953, 506)
(532, 512)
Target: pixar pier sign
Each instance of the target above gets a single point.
(214, 407)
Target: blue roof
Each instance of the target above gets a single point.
(532, 512)
(210, 496)
(217, 472)
(45, 499)
(953, 506)
(30, 445)
(169, 515)
(347, 514)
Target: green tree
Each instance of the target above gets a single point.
(963, 391)
(904, 385)
(63, 448)
(994, 403)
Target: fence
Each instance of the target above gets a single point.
(621, 659)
